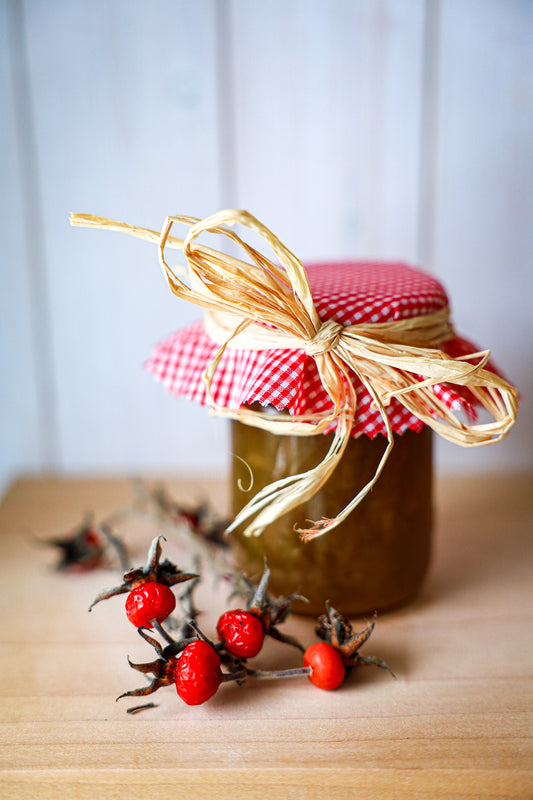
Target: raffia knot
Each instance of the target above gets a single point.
(325, 339)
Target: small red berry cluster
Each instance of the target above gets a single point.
(198, 666)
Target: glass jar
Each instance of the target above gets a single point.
(377, 558)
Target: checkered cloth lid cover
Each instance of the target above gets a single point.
(348, 292)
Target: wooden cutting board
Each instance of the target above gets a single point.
(456, 723)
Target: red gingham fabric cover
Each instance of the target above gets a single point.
(348, 292)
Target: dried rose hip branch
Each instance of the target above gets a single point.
(196, 669)
(150, 596)
(193, 663)
(89, 546)
(271, 611)
(200, 518)
(197, 526)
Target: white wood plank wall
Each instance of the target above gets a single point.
(382, 128)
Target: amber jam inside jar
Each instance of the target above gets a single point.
(377, 558)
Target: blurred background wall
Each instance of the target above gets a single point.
(352, 128)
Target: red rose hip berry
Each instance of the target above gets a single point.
(197, 673)
(149, 601)
(327, 669)
(241, 633)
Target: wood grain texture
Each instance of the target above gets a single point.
(457, 723)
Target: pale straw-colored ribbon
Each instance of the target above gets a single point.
(261, 305)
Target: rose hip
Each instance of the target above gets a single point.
(241, 633)
(197, 673)
(149, 601)
(327, 669)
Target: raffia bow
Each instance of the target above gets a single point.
(261, 305)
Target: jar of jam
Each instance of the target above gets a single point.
(378, 556)
(361, 351)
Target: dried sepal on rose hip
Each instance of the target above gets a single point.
(162, 672)
(184, 626)
(336, 629)
(162, 668)
(150, 597)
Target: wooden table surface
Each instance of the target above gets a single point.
(457, 722)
